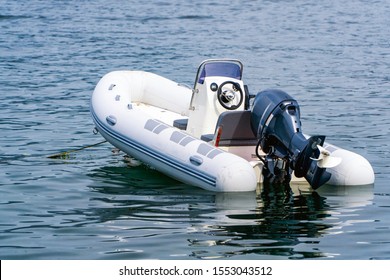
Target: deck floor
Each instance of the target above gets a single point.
(161, 114)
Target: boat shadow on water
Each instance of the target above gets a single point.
(276, 221)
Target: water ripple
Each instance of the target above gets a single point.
(331, 56)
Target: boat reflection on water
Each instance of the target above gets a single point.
(281, 221)
(275, 222)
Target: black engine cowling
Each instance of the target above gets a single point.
(275, 120)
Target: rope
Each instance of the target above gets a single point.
(66, 153)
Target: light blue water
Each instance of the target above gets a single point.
(332, 56)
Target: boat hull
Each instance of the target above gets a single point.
(129, 127)
(135, 112)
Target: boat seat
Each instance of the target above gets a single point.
(236, 129)
(180, 124)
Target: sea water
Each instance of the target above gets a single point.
(332, 56)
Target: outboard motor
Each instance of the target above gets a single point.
(275, 120)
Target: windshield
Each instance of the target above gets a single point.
(220, 68)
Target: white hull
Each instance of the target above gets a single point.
(135, 111)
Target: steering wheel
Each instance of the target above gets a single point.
(230, 95)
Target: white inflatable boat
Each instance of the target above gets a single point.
(217, 136)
